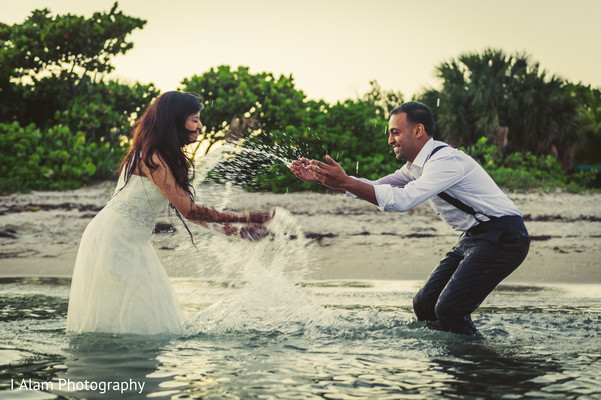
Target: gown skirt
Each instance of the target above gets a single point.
(119, 284)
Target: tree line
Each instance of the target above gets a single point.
(64, 123)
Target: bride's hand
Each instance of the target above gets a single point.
(229, 229)
(254, 232)
(259, 217)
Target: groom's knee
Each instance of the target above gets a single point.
(423, 307)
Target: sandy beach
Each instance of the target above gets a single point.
(346, 238)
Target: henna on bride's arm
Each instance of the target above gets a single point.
(201, 214)
(252, 232)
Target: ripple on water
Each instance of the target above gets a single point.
(534, 346)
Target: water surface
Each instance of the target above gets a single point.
(332, 340)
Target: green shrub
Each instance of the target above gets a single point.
(54, 158)
(523, 170)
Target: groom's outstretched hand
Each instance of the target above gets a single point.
(300, 168)
(331, 174)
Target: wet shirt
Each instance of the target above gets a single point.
(449, 170)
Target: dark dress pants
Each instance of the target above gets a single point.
(483, 257)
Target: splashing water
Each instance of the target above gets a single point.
(241, 165)
(206, 163)
(263, 280)
(268, 154)
(265, 273)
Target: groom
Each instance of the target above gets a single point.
(494, 240)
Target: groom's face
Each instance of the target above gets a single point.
(403, 137)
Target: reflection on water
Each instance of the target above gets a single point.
(351, 340)
(475, 369)
(121, 364)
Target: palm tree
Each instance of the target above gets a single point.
(589, 116)
(508, 99)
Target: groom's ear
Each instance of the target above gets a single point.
(420, 130)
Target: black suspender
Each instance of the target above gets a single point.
(450, 199)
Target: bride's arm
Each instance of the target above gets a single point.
(163, 178)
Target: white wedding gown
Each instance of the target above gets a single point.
(119, 285)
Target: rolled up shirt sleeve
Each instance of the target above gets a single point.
(384, 196)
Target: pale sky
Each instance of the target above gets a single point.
(333, 48)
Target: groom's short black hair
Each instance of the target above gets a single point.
(417, 113)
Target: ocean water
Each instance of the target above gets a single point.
(329, 340)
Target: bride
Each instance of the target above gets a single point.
(119, 285)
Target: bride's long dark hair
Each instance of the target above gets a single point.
(161, 130)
